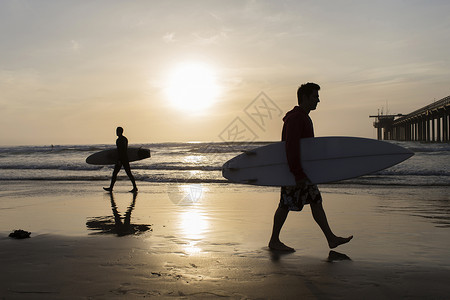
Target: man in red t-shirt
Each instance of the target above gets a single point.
(298, 125)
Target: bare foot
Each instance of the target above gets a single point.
(108, 189)
(339, 241)
(134, 190)
(279, 246)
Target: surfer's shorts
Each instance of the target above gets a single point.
(295, 197)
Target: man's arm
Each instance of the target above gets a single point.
(293, 136)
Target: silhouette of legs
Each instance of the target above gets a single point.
(321, 219)
(278, 221)
(126, 166)
(117, 168)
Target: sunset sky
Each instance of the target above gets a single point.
(169, 71)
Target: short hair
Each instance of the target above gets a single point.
(306, 90)
(119, 130)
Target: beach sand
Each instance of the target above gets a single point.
(210, 241)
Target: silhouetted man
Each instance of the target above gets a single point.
(122, 160)
(298, 125)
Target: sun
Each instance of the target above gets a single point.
(192, 86)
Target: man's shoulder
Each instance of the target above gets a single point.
(121, 140)
(296, 116)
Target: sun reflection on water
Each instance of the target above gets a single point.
(193, 226)
(192, 193)
(192, 249)
(194, 159)
(193, 222)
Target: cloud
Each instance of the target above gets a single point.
(75, 45)
(169, 37)
(209, 38)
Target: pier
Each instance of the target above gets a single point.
(427, 124)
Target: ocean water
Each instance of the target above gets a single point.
(201, 163)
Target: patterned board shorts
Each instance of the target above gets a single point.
(294, 197)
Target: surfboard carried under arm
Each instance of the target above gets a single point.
(110, 156)
(324, 159)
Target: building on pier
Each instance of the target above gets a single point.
(427, 124)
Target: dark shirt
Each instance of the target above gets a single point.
(297, 125)
(122, 148)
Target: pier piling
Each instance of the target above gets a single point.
(427, 124)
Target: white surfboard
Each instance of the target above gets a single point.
(324, 159)
(109, 157)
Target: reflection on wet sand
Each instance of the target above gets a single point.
(434, 207)
(185, 194)
(193, 224)
(275, 255)
(115, 224)
(335, 256)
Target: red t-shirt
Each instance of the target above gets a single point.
(297, 125)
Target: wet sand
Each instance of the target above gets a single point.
(210, 241)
